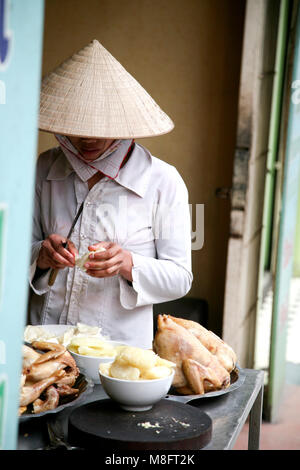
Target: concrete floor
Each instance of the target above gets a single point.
(285, 433)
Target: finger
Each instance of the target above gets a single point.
(99, 245)
(56, 240)
(110, 252)
(65, 256)
(72, 248)
(49, 258)
(104, 264)
(46, 245)
(104, 272)
(52, 264)
(57, 258)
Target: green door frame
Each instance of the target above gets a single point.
(272, 165)
(277, 100)
(285, 156)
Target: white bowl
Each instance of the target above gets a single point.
(89, 365)
(136, 395)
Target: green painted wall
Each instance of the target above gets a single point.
(21, 32)
(296, 268)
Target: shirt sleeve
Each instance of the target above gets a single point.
(168, 276)
(38, 284)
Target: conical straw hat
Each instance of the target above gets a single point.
(92, 95)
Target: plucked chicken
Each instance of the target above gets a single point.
(203, 360)
(46, 376)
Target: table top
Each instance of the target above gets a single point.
(228, 413)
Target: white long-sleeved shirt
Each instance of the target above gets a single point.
(145, 210)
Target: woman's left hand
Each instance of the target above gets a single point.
(114, 260)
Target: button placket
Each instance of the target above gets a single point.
(84, 227)
(109, 222)
(81, 190)
(75, 296)
(76, 276)
(85, 237)
(95, 196)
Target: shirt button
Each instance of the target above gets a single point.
(82, 236)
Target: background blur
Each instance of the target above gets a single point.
(187, 56)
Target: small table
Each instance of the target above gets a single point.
(228, 412)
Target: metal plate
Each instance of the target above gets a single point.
(237, 378)
(85, 386)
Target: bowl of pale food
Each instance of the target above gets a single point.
(89, 352)
(137, 378)
(85, 343)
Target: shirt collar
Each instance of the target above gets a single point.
(108, 166)
(134, 175)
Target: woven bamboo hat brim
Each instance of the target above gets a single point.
(92, 95)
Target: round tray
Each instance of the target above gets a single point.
(168, 425)
(237, 378)
(85, 386)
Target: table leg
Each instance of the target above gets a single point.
(255, 421)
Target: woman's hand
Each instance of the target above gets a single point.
(53, 255)
(114, 260)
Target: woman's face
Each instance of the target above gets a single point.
(90, 148)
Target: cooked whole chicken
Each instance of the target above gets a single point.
(204, 361)
(46, 376)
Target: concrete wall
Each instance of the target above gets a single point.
(186, 54)
(257, 75)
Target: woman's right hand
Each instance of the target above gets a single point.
(53, 255)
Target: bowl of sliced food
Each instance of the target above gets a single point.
(85, 343)
(90, 351)
(62, 334)
(137, 378)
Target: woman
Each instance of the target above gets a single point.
(134, 205)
